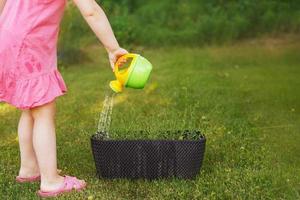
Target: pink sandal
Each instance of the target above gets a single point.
(68, 185)
(28, 179)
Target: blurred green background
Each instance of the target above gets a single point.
(181, 22)
(228, 68)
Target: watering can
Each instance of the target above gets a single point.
(135, 76)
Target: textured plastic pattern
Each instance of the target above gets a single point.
(148, 159)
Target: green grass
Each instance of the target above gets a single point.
(244, 97)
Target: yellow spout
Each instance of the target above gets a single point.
(116, 86)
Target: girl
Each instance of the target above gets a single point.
(30, 81)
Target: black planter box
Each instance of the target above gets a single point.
(148, 159)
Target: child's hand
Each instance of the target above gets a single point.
(115, 55)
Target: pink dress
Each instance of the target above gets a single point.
(28, 52)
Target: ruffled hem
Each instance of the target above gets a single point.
(36, 91)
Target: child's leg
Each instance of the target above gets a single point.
(44, 142)
(29, 166)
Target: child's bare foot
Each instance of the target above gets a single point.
(51, 185)
(29, 172)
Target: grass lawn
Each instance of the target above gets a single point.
(244, 97)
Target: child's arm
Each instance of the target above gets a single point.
(97, 20)
(2, 4)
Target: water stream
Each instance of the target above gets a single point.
(105, 115)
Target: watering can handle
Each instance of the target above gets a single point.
(126, 56)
